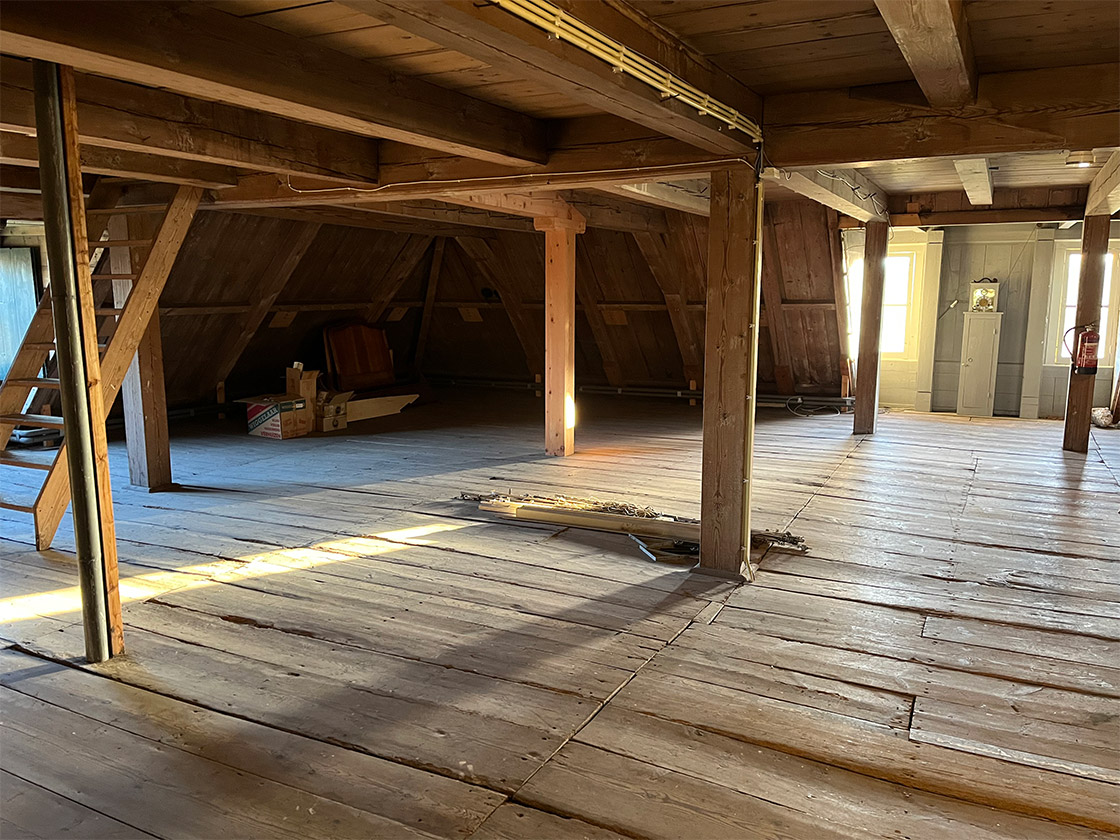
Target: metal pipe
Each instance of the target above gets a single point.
(72, 376)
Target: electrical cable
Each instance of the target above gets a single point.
(530, 178)
(795, 408)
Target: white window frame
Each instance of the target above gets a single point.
(1107, 354)
(916, 253)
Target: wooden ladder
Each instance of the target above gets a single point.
(120, 328)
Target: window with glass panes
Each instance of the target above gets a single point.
(1068, 313)
(898, 285)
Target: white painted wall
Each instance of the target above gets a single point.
(899, 373)
(1024, 258)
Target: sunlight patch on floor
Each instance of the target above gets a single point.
(142, 587)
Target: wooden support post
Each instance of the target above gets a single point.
(79, 368)
(730, 371)
(1079, 402)
(1036, 351)
(559, 337)
(870, 325)
(142, 392)
(429, 304)
(927, 319)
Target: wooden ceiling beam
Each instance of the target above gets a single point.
(21, 150)
(661, 194)
(488, 33)
(536, 207)
(976, 178)
(933, 37)
(26, 207)
(1031, 204)
(119, 115)
(1022, 111)
(1104, 192)
(199, 51)
(444, 214)
(845, 191)
(347, 217)
(610, 213)
(587, 152)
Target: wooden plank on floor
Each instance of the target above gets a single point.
(31, 812)
(463, 725)
(517, 822)
(613, 791)
(121, 774)
(401, 795)
(873, 750)
(1071, 647)
(1078, 750)
(870, 807)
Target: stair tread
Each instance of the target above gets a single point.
(43, 421)
(14, 506)
(33, 382)
(119, 243)
(9, 461)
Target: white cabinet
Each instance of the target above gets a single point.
(976, 393)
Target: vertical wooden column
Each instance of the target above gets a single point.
(559, 335)
(870, 325)
(927, 319)
(143, 391)
(1036, 353)
(79, 365)
(730, 370)
(1079, 401)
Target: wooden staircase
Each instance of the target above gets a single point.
(29, 387)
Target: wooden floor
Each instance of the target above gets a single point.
(323, 642)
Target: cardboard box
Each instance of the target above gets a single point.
(332, 403)
(330, 410)
(334, 423)
(301, 382)
(278, 416)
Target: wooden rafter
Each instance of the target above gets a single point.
(431, 289)
(844, 190)
(271, 284)
(492, 35)
(492, 262)
(773, 299)
(677, 262)
(411, 251)
(665, 195)
(118, 115)
(590, 296)
(1104, 192)
(524, 204)
(1021, 111)
(199, 51)
(1031, 204)
(934, 39)
(21, 150)
(976, 178)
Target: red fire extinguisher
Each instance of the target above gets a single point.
(1084, 355)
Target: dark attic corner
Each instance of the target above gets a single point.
(539, 420)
